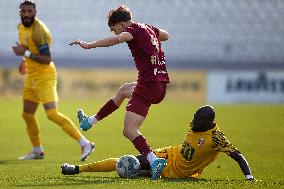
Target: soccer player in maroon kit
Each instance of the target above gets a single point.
(144, 42)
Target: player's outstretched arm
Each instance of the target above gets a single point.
(106, 42)
(82, 44)
(240, 159)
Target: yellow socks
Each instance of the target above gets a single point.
(67, 125)
(32, 128)
(52, 114)
(106, 165)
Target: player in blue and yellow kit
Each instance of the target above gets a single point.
(40, 81)
(202, 143)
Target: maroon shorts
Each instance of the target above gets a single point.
(144, 95)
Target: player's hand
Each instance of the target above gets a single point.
(252, 180)
(19, 49)
(22, 68)
(83, 44)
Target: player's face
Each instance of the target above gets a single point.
(27, 13)
(117, 28)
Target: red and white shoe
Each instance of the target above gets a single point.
(32, 155)
(87, 150)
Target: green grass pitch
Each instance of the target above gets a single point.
(256, 130)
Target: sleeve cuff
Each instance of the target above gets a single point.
(249, 177)
(27, 54)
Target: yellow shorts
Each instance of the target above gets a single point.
(169, 170)
(171, 154)
(40, 90)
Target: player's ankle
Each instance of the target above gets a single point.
(76, 169)
(92, 119)
(38, 149)
(151, 157)
(83, 141)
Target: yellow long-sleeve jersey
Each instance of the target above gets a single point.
(198, 150)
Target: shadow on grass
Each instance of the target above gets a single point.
(214, 181)
(90, 180)
(13, 161)
(74, 180)
(165, 180)
(16, 161)
(80, 181)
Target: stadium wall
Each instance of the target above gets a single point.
(197, 86)
(103, 83)
(245, 87)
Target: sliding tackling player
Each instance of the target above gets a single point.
(202, 143)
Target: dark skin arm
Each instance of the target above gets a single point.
(240, 159)
(42, 58)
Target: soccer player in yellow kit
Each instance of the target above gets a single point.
(202, 143)
(40, 81)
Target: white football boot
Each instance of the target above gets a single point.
(32, 155)
(87, 150)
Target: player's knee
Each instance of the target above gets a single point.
(129, 133)
(126, 132)
(58, 118)
(125, 90)
(121, 91)
(27, 116)
(52, 115)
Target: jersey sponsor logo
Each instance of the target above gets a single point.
(155, 43)
(187, 151)
(155, 60)
(201, 142)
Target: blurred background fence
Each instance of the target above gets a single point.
(215, 36)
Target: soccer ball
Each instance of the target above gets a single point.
(128, 166)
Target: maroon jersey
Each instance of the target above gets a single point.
(147, 53)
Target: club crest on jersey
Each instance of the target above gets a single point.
(201, 142)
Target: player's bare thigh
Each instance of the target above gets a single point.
(123, 92)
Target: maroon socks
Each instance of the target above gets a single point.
(107, 109)
(141, 145)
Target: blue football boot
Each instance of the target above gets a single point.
(157, 167)
(83, 120)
